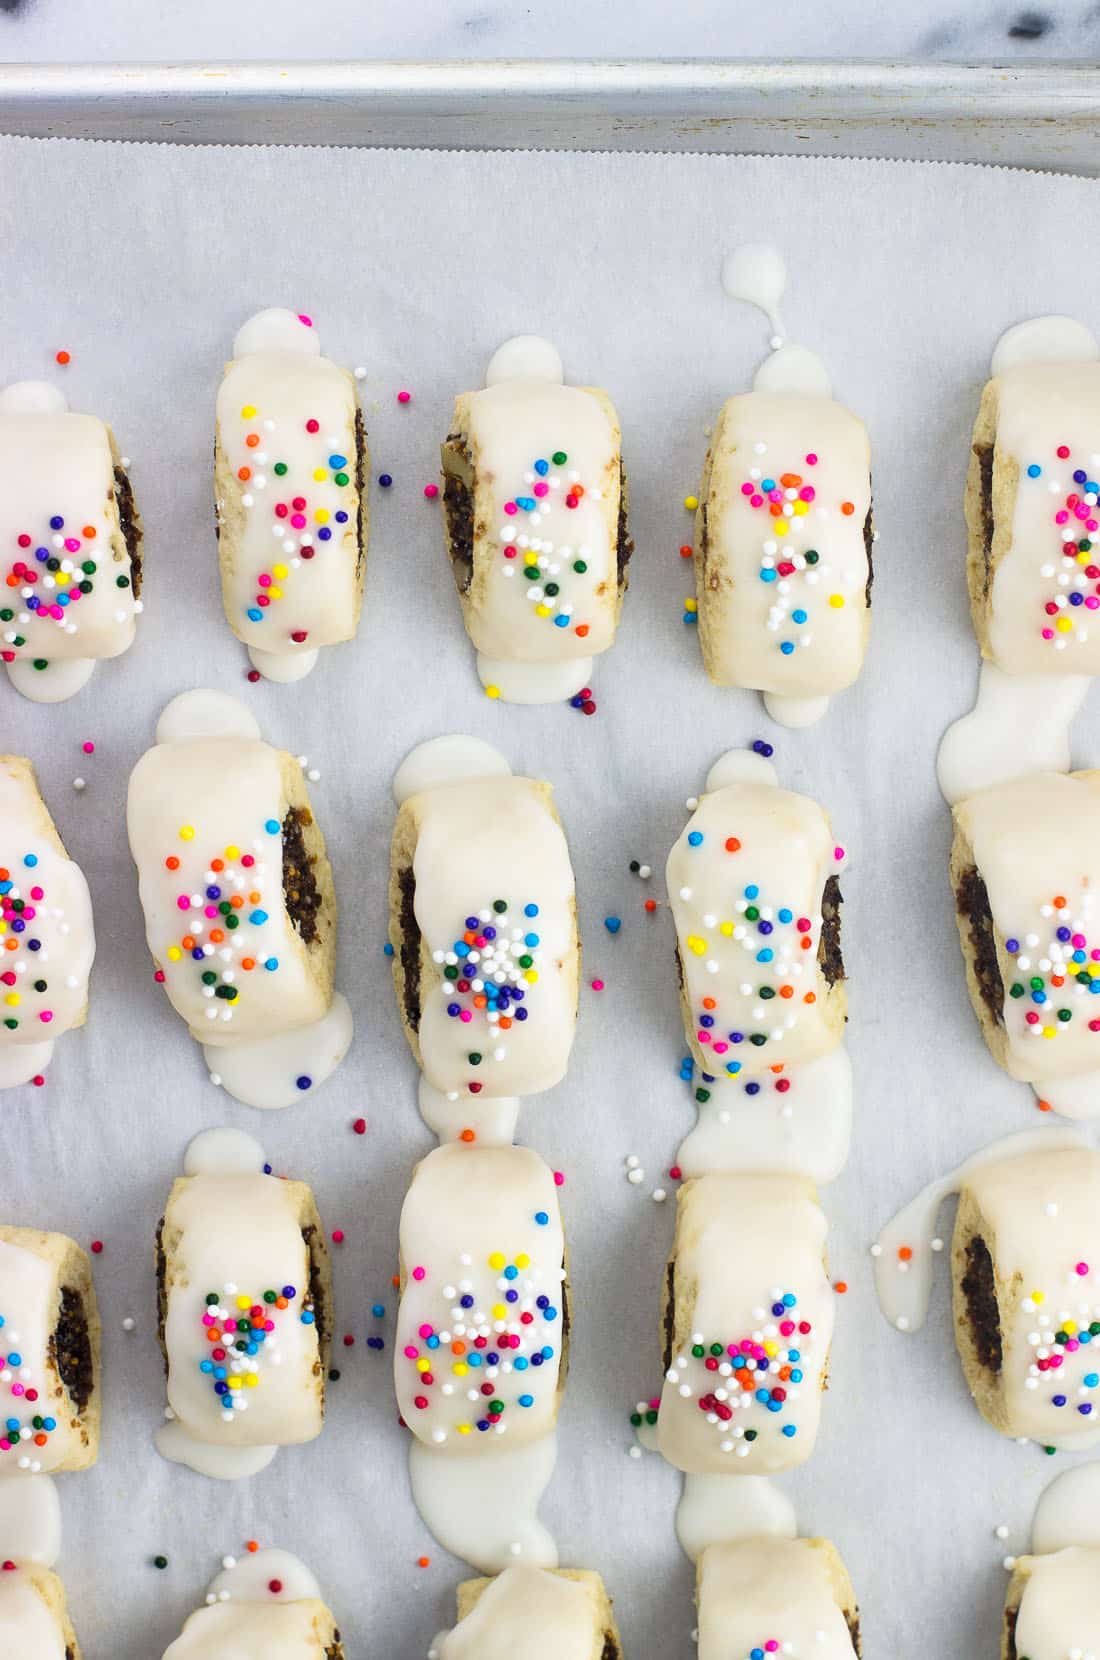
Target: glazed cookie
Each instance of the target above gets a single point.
(534, 503)
(47, 940)
(245, 1299)
(290, 470)
(531, 1614)
(486, 977)
(240, 911)
(71, 539)
(267, 1604)
(49, 1354)
(1052, 1606)
(1025, 1264)
(1026, 878)
(483, 1324)
(746, 1327)
(783, 543)
(776, 1596)
(34, 1619)
(753, 882)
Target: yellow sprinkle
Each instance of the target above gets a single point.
(62, 578)
(801, 508)
(322, 516)
(247, 411)
(320, 474)
(523, 1260)
(244, 1302)
(275, 593)
(252, 1380)
(836, 601)
(543, 611)
(280, 571)
(1063, 625)
(174, 953)
(234, 1383)
(492, 691)
(187, 832)
(460, 1369)
(725, 928)
(780, 527)
(496, 1261)
(499, 1311)
(1069, 1326)
(463, 1429)
(423, 1365)
(771, 1349)
(531, 976)
(13, 999)
(691, 605)
(1050, 1031)
(232, 851)
(1038, 1296)
(691, 503)
(696, 944)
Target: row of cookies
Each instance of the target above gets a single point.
(534, 500)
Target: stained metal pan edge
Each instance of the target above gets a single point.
(1044, 115)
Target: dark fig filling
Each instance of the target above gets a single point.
(829, 956)
(972, 902)
(361, 487)
(984, 453)
(624, 542)
(980, 1290)
(410, 948)
(71, 1348)
(316, 1285)
(128, 524)
(868, 546)
(670, 1314)
(458, 509)
(300, 890)
(1011, 1616)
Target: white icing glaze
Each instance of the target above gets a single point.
(525, 357)
(205, 713)
(746, 1244)
(782, 579)
(756, 1591)
(534, 513)
(482, 1248)
(28, 1627)
(783, 853)
(806, 1131)
(714, 1510)
(30, 1520)
(1035, 840)
(740, 766)
(1072, 1097)
(1059, 1613)
(58, 682)
(239, 1236)
(443, 760)
(492, 1119)
(178, 1446)
(19, 1063)
(904, 1285)
(46, 931)
(249, 1580)
(221, 1152)
(756, 273)
(795, 712)
(484, 1510)
(1043, 340)
(514, 681)
(1043, 604)
(275, 1072)
(29, 1305)
(284, 667)
(1068, 1511)
(219, 799)
(793, 369)
(289, 550)
(32, 397)
(277, 330)
(59, 466)
(481, 843)
(529, 1614)
(1000, 738)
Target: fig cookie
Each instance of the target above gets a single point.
(49, 1354)
(771, 1596)
(290, 487)
(532, 1614)
(34, 1617)
(266, 1603)
(535, 511)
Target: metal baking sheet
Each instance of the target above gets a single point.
(1037, 115)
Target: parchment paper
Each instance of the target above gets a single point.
(142, 262)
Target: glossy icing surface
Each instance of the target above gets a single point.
(27, 1626)
(760, 1592)
(528, 1614)
(30, 1388)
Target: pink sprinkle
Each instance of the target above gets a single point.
(431, 491)
(758, 500)
(1082, 1269)
(45, 1016)
(264, 580)
(597, 985)
(411, 1351)
(746, 489)
(807, 493)
(542, 489)
(465, 1017)
(674, 1172)
(510, 508)
(306, 321)
(404, 397)
(298, 520)
(72, 544)
(337, 1236)
(419, 1273)
(559, 1179)
(1047, 633)
(838, 854)
(811, 460)
(183, 903)
(37, 893)
(88, 747)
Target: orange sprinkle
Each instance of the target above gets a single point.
(458, 1347)
(505, 1023)
(423, 1561)
(790, 481)
(1043, 1106)
(63, 358)
(840, 1287)
(733, 844)
(188, 942)
(252, 440)
(778, 1067)
(244, 474)
(1059, 902)
(848, 507)
(395, 1279)
(172, 863)
(237, 902)
(709, 1003)
(786, 991)
(480, 1001)
(905, 1253)
(89, 533)
(217, 864)
(468, 1135)
(251, 1545)
(217, 935)
(248, 962)
(581, 631)
(810, 997)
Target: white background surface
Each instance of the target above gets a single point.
(68, 31)
(142, 262)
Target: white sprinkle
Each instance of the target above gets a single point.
(937, 1244)
(645, 872)
(876, 1250)
(229, 1562)
(903, 1322)
(635, 1176)
(359, 372)
(691, 803)
(659, 1195)
(1009, 1563)
(216, 1079)
(79, 784)
(129, 1323)
(1000, 1532)
(313, 775)
(632, 1161)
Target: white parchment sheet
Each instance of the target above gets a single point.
(141, 262)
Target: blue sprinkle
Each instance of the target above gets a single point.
(561, 621)
(378, 1309)
(387, 949)
(798, 616)
(694, 838)
(304, 1082)
(1034, 470)
(613, 924)
(787, 647)
(337, 461)
(530, 910)
(30, 860)
(542, 1219)
(271, 964)
(272, 826)
(258, 917)
(767, 576)
(385, 480)
(542, 468)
